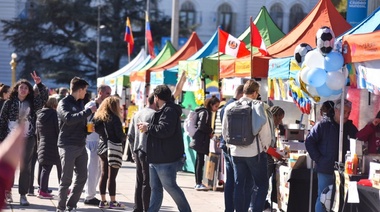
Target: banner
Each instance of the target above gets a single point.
(361, 47)
(368, 76)
(193, 70)
(356, 11)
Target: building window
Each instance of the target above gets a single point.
(225, 17)
(277, 15)
(296, 16)
(187, 15)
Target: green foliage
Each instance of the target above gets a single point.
(341, 6)
(58, 37)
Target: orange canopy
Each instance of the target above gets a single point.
(190, 48)
(323, 14)
(361, 47)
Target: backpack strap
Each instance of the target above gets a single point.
(258, 145)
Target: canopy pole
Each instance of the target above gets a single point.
(250, 61)
(341, 124)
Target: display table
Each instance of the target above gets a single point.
(369, 200)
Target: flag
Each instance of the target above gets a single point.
(257, 40)
(128, 37)
(148, 35)
(230, 45)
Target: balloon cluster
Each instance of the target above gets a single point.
(322, 76)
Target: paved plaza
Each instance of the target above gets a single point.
(198, 200)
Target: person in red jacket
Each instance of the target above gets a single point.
(371, 133)
(11, 150)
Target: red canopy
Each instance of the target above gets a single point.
(323, 14)
(190, 48)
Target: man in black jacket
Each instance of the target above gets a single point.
(165, 150)
(72, 119)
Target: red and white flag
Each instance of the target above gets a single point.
(257, 40)
(230, 45)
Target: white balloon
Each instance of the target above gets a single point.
(312, 90)
(303, 73)
(335, 80)
(314, 59)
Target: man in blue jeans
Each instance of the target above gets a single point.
(165, 150)
(250, 162)
(229, 184)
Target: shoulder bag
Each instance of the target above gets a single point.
(114, 152)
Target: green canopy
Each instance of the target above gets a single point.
(166, 53)
(268, 30)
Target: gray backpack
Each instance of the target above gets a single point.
(239, 119)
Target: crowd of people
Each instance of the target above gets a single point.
(74, 134)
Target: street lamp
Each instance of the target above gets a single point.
(13, 64)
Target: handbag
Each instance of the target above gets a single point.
(114, 152)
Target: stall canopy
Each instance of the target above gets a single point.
(323, 14)
(124, 81)
(369, 24)
(166, 53)
(270, 34)
(361, 53)
(124, 71)
(193, 45)
(169, 76)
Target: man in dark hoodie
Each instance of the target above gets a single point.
(165, 150)
(322, 144)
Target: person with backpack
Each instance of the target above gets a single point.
(201, 139)
(229, 184)
(247, 133)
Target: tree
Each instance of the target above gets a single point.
(341, 6)
(58, 37)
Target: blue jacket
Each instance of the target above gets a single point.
(322, 143)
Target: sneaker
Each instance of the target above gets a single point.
(24, 201)
(104, 204)
(8, 197)
(201, 187)
(68, 208)
(92, 201)
(44, 195)
(116, 205)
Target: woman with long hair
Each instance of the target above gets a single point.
(201, 139)
(23, 104)
(108, 124)
(5, 93)
(47, 150)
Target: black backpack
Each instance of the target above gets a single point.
(239, 119)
